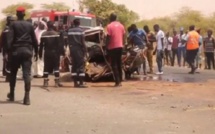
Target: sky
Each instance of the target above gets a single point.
(145, 8)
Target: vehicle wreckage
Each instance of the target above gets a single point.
(98, 63)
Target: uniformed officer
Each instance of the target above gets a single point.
(4, 42)
(78, 53)
(20, 47)
(53, 47)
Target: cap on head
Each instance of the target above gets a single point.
(20, 9)
(181, 29)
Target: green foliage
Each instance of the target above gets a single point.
(11, 10)
(2, 24)
(58, 6)
(103, 9)
(183, 18)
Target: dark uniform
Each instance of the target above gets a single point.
(22, 41)
(63, 36)
(77, 52)
(4, 35)
(53, 47)
(4, 43)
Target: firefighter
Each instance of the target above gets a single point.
(53, 47)
(78, 53)
(4, 41)
(20, 47)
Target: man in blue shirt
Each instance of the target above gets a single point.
(138, 37)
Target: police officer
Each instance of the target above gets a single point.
(20, 47)
(78, 53)
(53, 47)
(4, 41)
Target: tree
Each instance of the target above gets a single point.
(11, 10)
(59, 6)
(183, 18)
(103, 8)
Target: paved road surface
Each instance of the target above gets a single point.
(150, 106)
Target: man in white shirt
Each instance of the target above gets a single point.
(181, 47)
(160, 48)
(168, 48)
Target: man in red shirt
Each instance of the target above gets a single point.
(115, 39)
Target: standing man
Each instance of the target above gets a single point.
(53, 47)
(181, 47)
(174, 47)
(192, 39)
(209, 46)
(198, 60)
(20, 47)
(114, 43)
(4, 44)
(78, 51)
(160, 47)
(150, 47)
(168, 49)
(38, 66)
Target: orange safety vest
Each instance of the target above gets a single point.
(193, 40)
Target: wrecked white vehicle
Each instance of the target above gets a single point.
(97, 66)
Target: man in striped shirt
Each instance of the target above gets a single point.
(53, 47)
(209, 46)
(78, 52)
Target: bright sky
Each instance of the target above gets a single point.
(145, 8)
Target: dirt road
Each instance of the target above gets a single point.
(139, 107)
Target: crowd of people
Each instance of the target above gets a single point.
(185, 46)
(23, 41)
